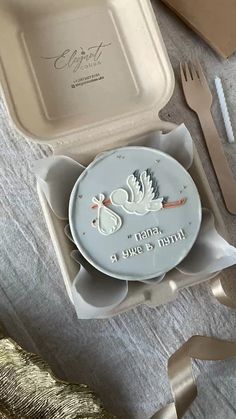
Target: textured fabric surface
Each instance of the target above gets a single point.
(123, 359)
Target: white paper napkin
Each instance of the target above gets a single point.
(94, 293)
(210, 253)
(178, 144)
(57, 176)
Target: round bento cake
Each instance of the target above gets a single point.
(135, 213)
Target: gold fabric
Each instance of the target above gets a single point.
(29, 391)
(180, 373)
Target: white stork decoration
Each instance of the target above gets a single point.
(140, 199)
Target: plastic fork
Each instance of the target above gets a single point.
(199, 99)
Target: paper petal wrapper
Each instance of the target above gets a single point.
(95, 294)
(210, 253)
(57, 176)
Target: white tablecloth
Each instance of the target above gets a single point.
(124, 359)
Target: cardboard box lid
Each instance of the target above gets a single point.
(213, 20)
(82, 69)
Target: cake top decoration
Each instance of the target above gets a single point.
(135, 213)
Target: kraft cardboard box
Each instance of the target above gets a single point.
(213, 20)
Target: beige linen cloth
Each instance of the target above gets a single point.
(123, 359)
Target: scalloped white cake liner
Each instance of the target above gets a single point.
(96, 295)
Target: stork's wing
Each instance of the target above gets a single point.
(148, 190)
(134, 186)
